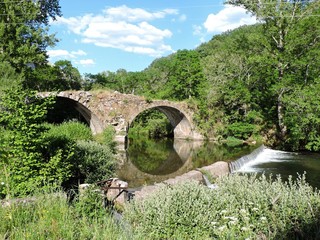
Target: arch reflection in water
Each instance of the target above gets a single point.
(153, 161)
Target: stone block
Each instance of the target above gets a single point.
(189, 176)
(216, 169)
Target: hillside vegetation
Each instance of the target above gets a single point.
(259, 80)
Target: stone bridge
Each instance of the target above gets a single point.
(104, 108)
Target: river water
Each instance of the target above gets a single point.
(149, 161)
(275, 162)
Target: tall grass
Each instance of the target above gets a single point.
(51, 216)
(243, 207)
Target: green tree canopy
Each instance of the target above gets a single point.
(24, 33)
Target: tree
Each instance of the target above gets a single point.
(9, 78)
(186, 79)
(28, 160)
(287, 47)
(61, 76)
(24, 33)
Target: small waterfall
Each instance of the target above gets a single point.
(238, 164)
(259, 156)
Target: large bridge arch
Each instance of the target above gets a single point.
(179, 121)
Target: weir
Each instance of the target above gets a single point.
(244, 160)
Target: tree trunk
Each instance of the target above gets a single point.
(281, 125)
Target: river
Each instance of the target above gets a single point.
(150, 161)
(285, 164)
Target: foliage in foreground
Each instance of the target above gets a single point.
(34, 154)
(51, 216)
(243, 207)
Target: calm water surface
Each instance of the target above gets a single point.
(149, 161)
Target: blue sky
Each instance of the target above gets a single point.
(107, 35)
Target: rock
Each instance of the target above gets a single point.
(192, 175)
(216, 169)
(118, 195)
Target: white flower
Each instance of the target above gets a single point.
(255, 209)
(222, 228)
(263, 219)
(223, 212)
(231, 218)
(2, 183)
(244, 229)
(233, 222)
(242, 211)
(214, 223)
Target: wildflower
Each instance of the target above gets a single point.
(255, 209)
(222, 228)
(233, 222)
(223, 212)
(263, 219)
(231, 218)
(242, 211)
(244, 229)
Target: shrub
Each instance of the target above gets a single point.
(73, 130)
(241, 130)
(95, 161)
(107, 138)
(242, 207)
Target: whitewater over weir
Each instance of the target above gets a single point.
(260, 156)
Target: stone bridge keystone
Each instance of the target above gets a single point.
(104, 108)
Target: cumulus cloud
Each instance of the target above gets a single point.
(86, 62)
(60, 53)
(228, 18)
(123, 28)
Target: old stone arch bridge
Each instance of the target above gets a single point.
(104, 108)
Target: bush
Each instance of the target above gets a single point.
(241, 130)
(95, 161)
(73, 130)
(107, 138)
(242, 207)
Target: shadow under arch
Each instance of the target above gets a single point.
(69, 109)
(181, 124)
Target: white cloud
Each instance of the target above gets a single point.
(183, 18)
(228, 18)
(60, 53)
(123, 28)
(79, 53)
(135, 14)
(87, 62)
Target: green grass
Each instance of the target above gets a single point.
(52, 217)
(242, 207)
